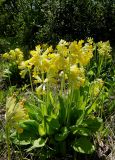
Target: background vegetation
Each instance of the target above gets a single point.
(25, 23)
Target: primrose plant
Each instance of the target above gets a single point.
(65, 114)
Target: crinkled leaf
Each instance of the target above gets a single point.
(21, 143)
(62, 110)
(42, 129)
(80, 131)
(83, 145)
(93, 124)
(84, 132)
(15, 140)
(62, 135)
(37, 144)
(30, 129)
(52, 124)
(34, 111)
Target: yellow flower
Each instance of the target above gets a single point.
(16, 55)
(19, 130)
(79, 82)
(5, 55)
(104, 49)
(34, 52)
(80, 43)
(76, 76)
(44, 63)
(41, 90)
(90, 40)
(37, 79)
(62, 48)
(22, 65)
(58, 62)
(86, 54)
(15, 112)
(48, 50)
(96, 87)
(25, 65)
(23, 73)
(19, 55)
(75, 50)
(62, 74)
(38, 49)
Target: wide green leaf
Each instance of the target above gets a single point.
(62, 110)
(30, 130)
(48, 126)
(52, 125)
(14, 137)
(93, 124)
(83, 145)
(62, 135)
(42, 129)
(37, 144)
(34, 111)
(80, 130)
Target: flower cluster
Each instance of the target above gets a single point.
(14, 55)
(15, 112)
(104, 49)
(67, 61)
(96, 87)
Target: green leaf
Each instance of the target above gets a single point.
(21, 143)
(63, 135)
(14, 137)
(87, 127)
(50, 109)
(91, 73)
(34, 111)
(83, 145)
(80, 131)
(77, 94)
(84, 131)
(42, 130)
(49, 126)
(51, 99)
(30, 130)
(62, 111)
(81, 117)
(52, 124)
(91, 108)
(93, 124)
(37, 144)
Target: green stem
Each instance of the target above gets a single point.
(100, 65)
(75, 155)
(8, 142)
(9, 79)
(30, 80)
(62, 85)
